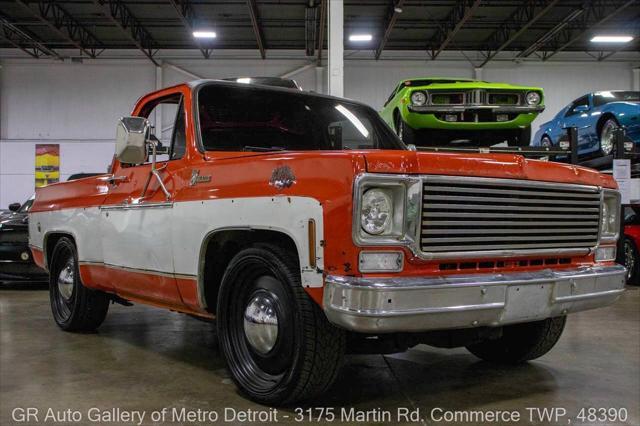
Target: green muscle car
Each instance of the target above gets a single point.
(438, 111)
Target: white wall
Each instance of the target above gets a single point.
(77, 105)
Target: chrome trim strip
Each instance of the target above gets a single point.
(137, 206)
(470, 107)
(447, 309)
(587, 296)
(138, 270)
(472, 180)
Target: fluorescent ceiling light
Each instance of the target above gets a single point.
(245, 80)
(204, 34)
(360, 37)
(611, 39)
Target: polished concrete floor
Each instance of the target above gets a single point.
(146, 359)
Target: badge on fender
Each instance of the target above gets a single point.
(196, 178)
(282, 177)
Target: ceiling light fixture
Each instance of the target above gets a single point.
(204, 34)
(611, 39)
(360, 37)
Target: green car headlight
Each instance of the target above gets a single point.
(418, 98)
(533, 98)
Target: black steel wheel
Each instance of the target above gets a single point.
(631, 261)
(74, 307)
(278, 344)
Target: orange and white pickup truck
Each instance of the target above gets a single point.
(307, 230)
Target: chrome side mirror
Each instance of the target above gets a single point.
(411, 147)
(132, 134)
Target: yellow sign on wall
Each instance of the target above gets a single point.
(47, 164)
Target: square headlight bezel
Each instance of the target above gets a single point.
(407, 202)
(613, 199)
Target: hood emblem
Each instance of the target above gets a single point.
(282, 177)
(196, 178)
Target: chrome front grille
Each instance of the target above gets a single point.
(482, 214)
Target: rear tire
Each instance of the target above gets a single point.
(521, 342)
(279, 346)
(74, 306)
(631, 261)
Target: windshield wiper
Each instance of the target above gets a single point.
(263, 148)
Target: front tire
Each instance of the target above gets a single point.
(521, 342)
(522, 137)
(74, 307)
(405, 132)
(279, 346)
(607, 136)
(631, 261)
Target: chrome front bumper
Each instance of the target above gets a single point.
(384, 305)
(498, 109)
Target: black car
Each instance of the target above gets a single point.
(16, 261)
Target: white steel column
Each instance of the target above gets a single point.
(158, 117)
(636, 78)
(477, 73)
(336, 48)
(319, 82)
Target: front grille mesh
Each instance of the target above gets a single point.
(475, 214)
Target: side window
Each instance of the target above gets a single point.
(179, 139)
(163, 115)
(583, 101)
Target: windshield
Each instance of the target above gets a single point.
(27, 205)
(259, 119)
(601, 98)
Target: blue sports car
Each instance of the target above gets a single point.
(595, 115)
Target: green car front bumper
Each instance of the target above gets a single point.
(429, 117)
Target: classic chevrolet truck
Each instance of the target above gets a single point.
(307, 230)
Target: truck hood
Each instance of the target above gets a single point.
(505, 166)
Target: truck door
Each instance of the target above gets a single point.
(136, 216)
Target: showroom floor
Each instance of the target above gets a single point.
(147, 359)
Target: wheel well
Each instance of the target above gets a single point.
(222, 246)
(601, 121)
(50, 243)
(396, 115)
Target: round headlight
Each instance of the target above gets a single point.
(418, 98)
(533, 98)
(376, 212)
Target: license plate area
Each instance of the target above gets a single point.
(528, 302)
